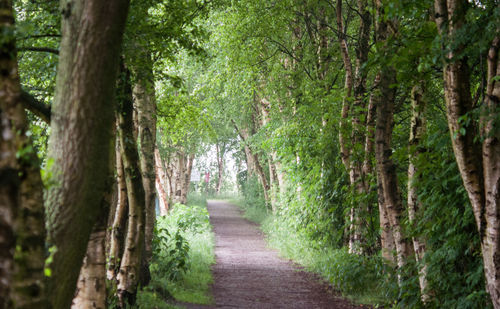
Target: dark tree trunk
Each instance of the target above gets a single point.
(81, 133)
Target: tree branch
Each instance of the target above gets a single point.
(40, 109)
(39, 49)
(40, 36)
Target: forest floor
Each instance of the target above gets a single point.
(248, 274)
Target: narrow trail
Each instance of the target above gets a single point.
(248, 274)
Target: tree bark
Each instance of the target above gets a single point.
(249, 160)
(386, 168)
(253, 160)
(81, 131)
(479, 165)
(417, 130)
(22, 283)
(178, 171)
(145, 104)
(91, 286)
(387, 244)
(128, 276)
(186, 180)
(344, 130)
(220, 165)
(161, 184)
(10, 90)
(354, 109)
(119, 219)
(491, 168)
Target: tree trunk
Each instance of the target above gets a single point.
(178, 171)
(417, 130)
(250, 161)
(161, 184)
(128, 276)
(356, 133)
(344, 130)
(280, 175)
(22, 227)
(145, 104)
(386, 168)
(265, 106)
(10, 91)
(186, 180)
(386, 236)
(491, 168)
(479, 165)
(169, 172)
(81, 131)
(253, 160)
(91, 286)
(220, 166)
(273, 184)
(119, 218)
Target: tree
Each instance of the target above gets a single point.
(476, 144)
(81, 134)
(130, 264)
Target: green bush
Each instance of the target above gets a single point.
(182, 257)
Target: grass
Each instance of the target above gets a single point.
(195, 285)
(361, 279)
(253, 213)
(184, 276)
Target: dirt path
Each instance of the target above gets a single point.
(248, 274)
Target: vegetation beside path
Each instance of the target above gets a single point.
(358, 278)
(183, 256)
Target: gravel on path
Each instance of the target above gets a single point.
(248, 274)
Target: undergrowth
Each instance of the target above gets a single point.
(183, 254)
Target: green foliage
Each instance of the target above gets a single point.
(252, 193)
(170, 246)
(172, 251)
(455, 268)
(182, 258)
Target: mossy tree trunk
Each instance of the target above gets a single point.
(128, 276)
(120, 217)
(145, 105)
(81, 131)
